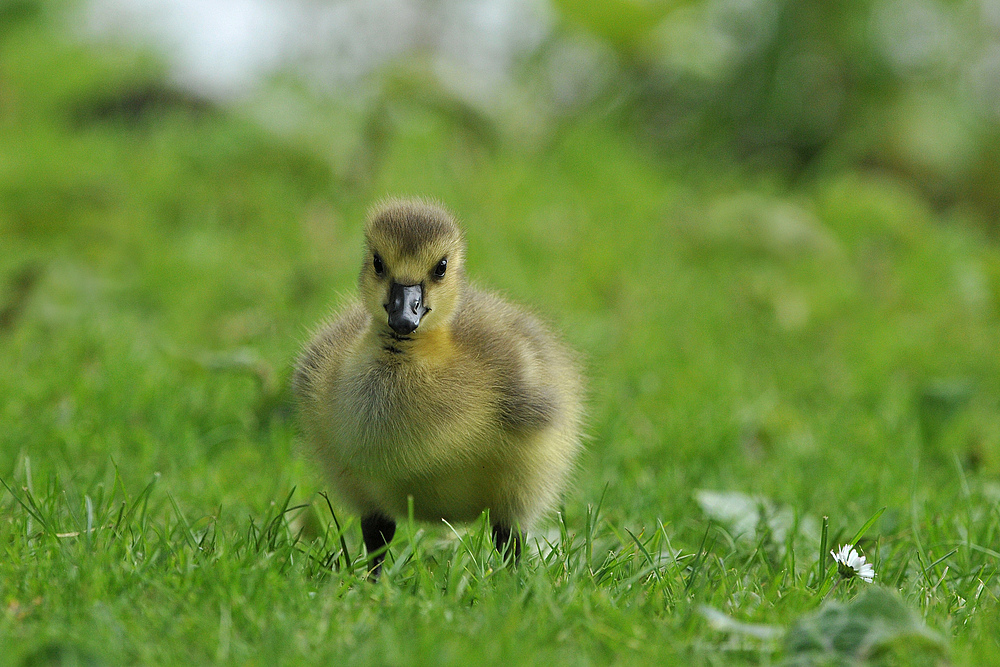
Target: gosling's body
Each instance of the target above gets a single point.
(462, 420)
(433, 390)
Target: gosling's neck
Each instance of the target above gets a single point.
(394, 344)
(422, 345)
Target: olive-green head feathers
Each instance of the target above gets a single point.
(412, 272)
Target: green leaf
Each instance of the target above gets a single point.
(875, 626)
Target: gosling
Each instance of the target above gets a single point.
(430, 389)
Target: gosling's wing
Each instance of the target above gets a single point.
(322, 359)
(526, 365)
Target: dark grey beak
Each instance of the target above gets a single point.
(405, 308)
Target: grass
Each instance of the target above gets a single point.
(818, 351)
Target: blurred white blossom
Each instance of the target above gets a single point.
(852, 564)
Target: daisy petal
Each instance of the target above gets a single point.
(852, 564)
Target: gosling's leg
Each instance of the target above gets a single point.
(507, 541)
(377, 531)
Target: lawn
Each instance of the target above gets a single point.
(775, 368)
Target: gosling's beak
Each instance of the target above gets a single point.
(405, 308)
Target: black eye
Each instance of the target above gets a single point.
(441, 267)
(378, 265)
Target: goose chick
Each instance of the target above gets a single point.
(430, 389)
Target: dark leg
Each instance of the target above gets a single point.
(377, 531)
(507, 541)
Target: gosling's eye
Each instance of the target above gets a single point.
(378, 265)
(441, 267)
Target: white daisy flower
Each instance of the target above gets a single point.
(851, 564)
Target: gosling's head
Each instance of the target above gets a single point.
(413, 266)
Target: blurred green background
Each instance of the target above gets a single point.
(769, 227)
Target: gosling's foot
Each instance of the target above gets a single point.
(508, 542)
(377, 531)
